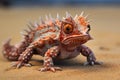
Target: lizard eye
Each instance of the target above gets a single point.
(68, 28)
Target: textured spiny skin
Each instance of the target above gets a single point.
(53, 39)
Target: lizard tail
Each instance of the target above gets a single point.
(12, 52)
(9, 51)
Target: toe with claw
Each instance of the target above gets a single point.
(20, 64)
(93, 63)
(53, 69)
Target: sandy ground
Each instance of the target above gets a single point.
(106, 45)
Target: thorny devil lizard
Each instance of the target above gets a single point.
(54, 39)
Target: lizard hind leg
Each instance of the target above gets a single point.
(24, 58)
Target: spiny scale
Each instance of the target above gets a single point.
(46, 27)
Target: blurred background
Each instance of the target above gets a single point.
(21, 3)
(105, 29)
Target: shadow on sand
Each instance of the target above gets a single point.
(74, 64)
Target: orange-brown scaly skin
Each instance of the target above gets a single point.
(52, 39)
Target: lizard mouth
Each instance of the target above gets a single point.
(76, 40)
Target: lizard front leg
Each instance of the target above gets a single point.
(88, 53)
(48, 59)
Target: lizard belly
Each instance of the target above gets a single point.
(68, 54)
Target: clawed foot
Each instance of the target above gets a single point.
(53, 69)
(20, 64)
(93, 63)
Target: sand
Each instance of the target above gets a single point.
(105, 24)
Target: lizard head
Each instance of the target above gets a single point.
(74, 31)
